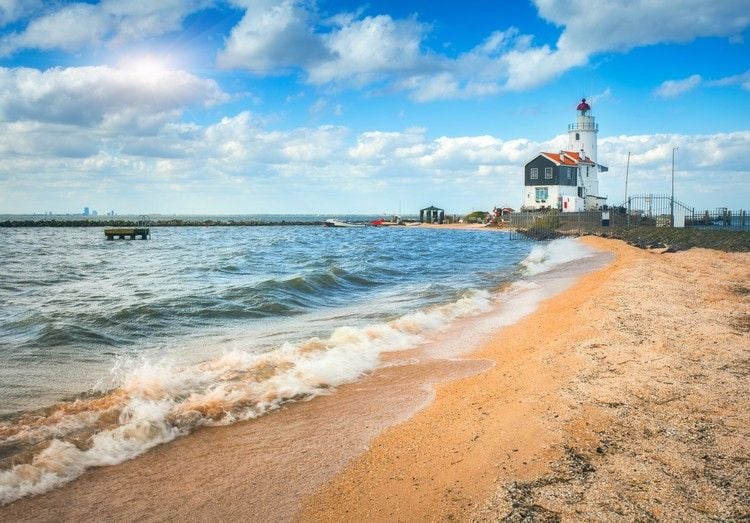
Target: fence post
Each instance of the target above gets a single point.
(628, 218)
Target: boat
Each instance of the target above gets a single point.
(382, 222)
(330, 222)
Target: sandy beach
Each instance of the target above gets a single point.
(625, 397)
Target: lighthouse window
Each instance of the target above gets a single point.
(541, 194)
(534, 173)
(578, 136)
(548, 173)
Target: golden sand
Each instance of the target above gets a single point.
(628, 397)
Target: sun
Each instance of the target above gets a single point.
(145, 67)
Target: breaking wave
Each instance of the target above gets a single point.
(156, 402)
(546, 256)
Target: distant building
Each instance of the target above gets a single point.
(94, 213)
(85, 211)
(567, 180)
(431, 214)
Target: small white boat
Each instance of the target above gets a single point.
(330, 222)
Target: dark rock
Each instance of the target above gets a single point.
(675, 248)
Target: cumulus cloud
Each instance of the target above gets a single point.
(710, 169)
(348, 49)
(363, 50)
(113, 98)
(272, 36)
(618, 26)
(75, 25)
(64, 131)
(13, 10)
(674, 88)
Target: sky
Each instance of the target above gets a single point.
(315, 107)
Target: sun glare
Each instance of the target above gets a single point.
(144, 67)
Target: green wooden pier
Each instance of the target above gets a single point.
(123, 233)
(142, 230)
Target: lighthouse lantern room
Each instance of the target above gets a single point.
(567, 180)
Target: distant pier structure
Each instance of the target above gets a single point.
(142, 230)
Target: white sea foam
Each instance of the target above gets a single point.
(546, 256)
(156, 402)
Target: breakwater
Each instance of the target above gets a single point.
(166, 222)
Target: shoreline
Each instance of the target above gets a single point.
(355, 412)
(595, 414)
(474, 441)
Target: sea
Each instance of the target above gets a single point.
(110, 348)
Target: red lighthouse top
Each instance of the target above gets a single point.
(583, 106)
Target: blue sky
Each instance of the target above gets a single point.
(255, 106)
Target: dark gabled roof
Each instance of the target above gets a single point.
(431, 208)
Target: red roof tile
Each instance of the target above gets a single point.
(568, 158)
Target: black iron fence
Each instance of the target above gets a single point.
(637, 211)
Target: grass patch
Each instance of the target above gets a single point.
(682, 239)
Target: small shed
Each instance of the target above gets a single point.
(432, 214)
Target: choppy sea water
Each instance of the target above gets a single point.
(110, 348)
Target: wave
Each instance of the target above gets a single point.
(146, 403)
(156, 402)
(547, 256)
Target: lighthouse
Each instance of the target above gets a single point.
(583, 133)
(567, 180)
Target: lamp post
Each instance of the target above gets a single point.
(672, 199)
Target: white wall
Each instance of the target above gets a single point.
(564, 192)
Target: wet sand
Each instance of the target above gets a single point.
(625, 396)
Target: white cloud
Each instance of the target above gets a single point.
(363, 50)
(76, 25)
(317, 108)
(13, 10)
(674, 88)
(349, 50)
(241, 158)
(742, 79)
(272, 36)
(600, 97)
(112, 98)
(620, 25)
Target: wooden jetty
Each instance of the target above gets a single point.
(122, 233)
(141, 230)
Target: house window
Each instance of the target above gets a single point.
(587, 172)
(534, 173)
(580, 192)
(548, 173)
(570, 173)
(541, 194)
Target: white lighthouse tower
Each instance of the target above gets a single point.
(583, 133)
(582, 138)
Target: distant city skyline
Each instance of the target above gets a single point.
(260, 106)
